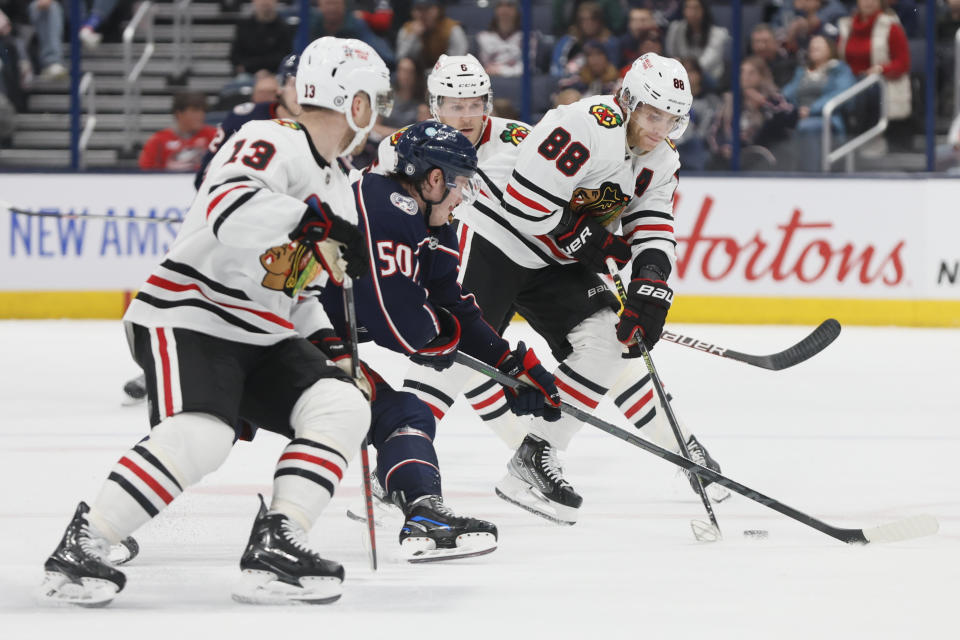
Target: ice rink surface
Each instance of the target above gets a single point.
(864, 433)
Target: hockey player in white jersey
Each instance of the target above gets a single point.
(219, 330)
(537, 245)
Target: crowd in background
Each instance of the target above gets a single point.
(799, 55)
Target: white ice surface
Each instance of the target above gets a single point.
(864, 433)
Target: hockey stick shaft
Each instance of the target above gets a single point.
(662, 396)
(79, 216)
(350, 312)
(905, 529)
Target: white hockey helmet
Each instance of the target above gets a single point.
(334, 70)
(659, 82)
(458, 77)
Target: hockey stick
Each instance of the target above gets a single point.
(75, 216)
(350, 312)
(905, 529)
(701, 531)
(814, 343)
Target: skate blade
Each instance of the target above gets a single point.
(381, 514)
(123, 552)
(58, 589)
(469, 545)
(518, 492)
(130, 401)
(704, 531)
(262, 587)
(717, 493)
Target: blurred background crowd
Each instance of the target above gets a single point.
(797, 55)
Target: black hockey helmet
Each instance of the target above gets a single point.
(431, 145)
(288, 68)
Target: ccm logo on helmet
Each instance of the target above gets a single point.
(655, 292)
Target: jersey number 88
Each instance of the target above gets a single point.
(569, 157)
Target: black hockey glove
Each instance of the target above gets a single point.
(337, 352)
(586, 240)
(326, 233)
(539, 395)
(644, 311)
(439, 352)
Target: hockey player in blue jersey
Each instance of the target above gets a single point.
(412, 303)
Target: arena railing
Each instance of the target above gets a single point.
(846, 150)
(89, 93)
(132, 71)
(182, 38)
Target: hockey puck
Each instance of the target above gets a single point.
(756, 534)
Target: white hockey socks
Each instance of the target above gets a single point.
(178, 453)
(635, 396)
(329, 420)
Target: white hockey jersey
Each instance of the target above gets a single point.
(228, 272)
(577, 154)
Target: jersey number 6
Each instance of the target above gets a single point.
(569, 157)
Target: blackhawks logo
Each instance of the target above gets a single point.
(514, 134)
(395, 137)
(288, 123)
(604, 204)
(606, 116)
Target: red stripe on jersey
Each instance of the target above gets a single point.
(165, 372)
(533, 204)
(553, 248)
(575, 394)
(163, 283)
(463, 238)
(639, 405)
(306, 457)
(489, 401)
(487, 130)
(216, 201)
(651, 227)
(143, 475)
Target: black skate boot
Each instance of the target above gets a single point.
(135, 390)
(535, 482)
(78, 572)
(433, 532)
(279, 568)
(700, 455)
(124, 551)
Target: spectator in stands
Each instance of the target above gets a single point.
(91, 31)
(800, 20)
(764, 43)
(641, 24)
(948, 154)
(499, 47)
(265, 87)
(409, 92)
(598, 76)
(567, 12)
(697, 37)
(906, 11)
(872, 41)
(429, 34)
(504, 108)
(15, 69)
(332, 19)
(261, 40)
(948, 23)
(693, 145)
(181, 147)
(46, 16)
(378, 14)
(765, 120)
(568, 54)
(823, 77)
(566, 96)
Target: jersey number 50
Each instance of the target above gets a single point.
(569, 157)
(394, 259)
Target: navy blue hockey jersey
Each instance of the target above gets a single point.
(413, 269)
(241, 115)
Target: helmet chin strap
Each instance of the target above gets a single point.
(429, 202)
(359, 132)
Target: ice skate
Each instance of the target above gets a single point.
(79, 572)
(535, 482)
(124, 551)
(433, 532)
(384, 509)
(135, 390)
(698, 453)
(279, 568)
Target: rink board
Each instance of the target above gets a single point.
(750, 250)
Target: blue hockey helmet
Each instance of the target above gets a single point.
(430, 145)
(288, 68)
